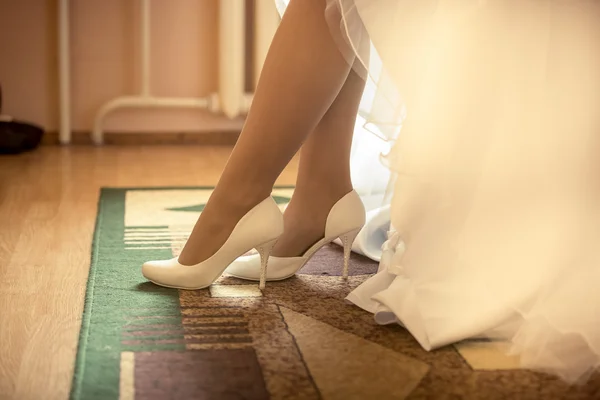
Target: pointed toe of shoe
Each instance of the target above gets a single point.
(151, 268)
(160, 272)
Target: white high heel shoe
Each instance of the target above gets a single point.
(259, 228)
(344, 221)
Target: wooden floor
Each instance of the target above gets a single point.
(47, 213)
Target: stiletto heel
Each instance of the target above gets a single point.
(345, 220)
(265, 251)
(347, 241)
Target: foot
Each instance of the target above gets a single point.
(344, 220)
(305, 218)
(260, 228)
(218, 219)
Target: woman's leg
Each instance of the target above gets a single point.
(302, 76)
(324, 172)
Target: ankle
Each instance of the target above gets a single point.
(323, 192)
(305, 218)
(312, 203)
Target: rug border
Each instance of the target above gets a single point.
(78, 368)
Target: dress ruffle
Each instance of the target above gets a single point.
(496, 200)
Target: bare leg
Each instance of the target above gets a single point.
(324, 172)
(302, 76)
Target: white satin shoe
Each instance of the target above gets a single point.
(259, 228)
(345, 220)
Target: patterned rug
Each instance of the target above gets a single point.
(297, 339)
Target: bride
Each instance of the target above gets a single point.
(495, 190)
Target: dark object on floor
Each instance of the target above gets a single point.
(17, 136)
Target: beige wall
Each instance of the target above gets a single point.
(105, 62)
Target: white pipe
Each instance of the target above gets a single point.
(231, 98)
(145, 47)
(266, 20)
(145, 99)
(146, 102)
(231, 56)
(64, 136)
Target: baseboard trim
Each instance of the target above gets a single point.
(212, 138)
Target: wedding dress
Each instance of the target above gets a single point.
(496, 197)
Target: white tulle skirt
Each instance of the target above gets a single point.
(496, 200)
